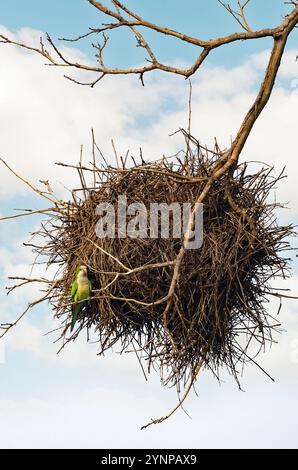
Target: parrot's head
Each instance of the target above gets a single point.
(82, 270)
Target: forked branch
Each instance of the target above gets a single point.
(122, 17)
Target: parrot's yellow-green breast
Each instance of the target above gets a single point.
(83, 291)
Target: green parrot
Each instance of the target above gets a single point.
(80, 290)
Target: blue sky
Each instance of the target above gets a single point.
(65, 401)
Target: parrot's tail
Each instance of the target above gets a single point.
(76, 309)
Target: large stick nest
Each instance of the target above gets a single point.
(219, 303)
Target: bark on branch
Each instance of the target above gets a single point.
(122, 17)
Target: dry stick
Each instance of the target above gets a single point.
(139, 269)
(138, 302)
(116, 154)
(93, 157)
(181, 401)
(31, 212)
(81, 173)
(239, 16)
(139, 361)
(7, 326)
(27, 183)
(177, 176)
(109, 254)
(187, 156)
(26, 280)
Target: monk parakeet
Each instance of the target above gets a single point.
(80, 290)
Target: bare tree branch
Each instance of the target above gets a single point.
(45, 194)
(238, 15)
(6, 327)
(124, 17)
